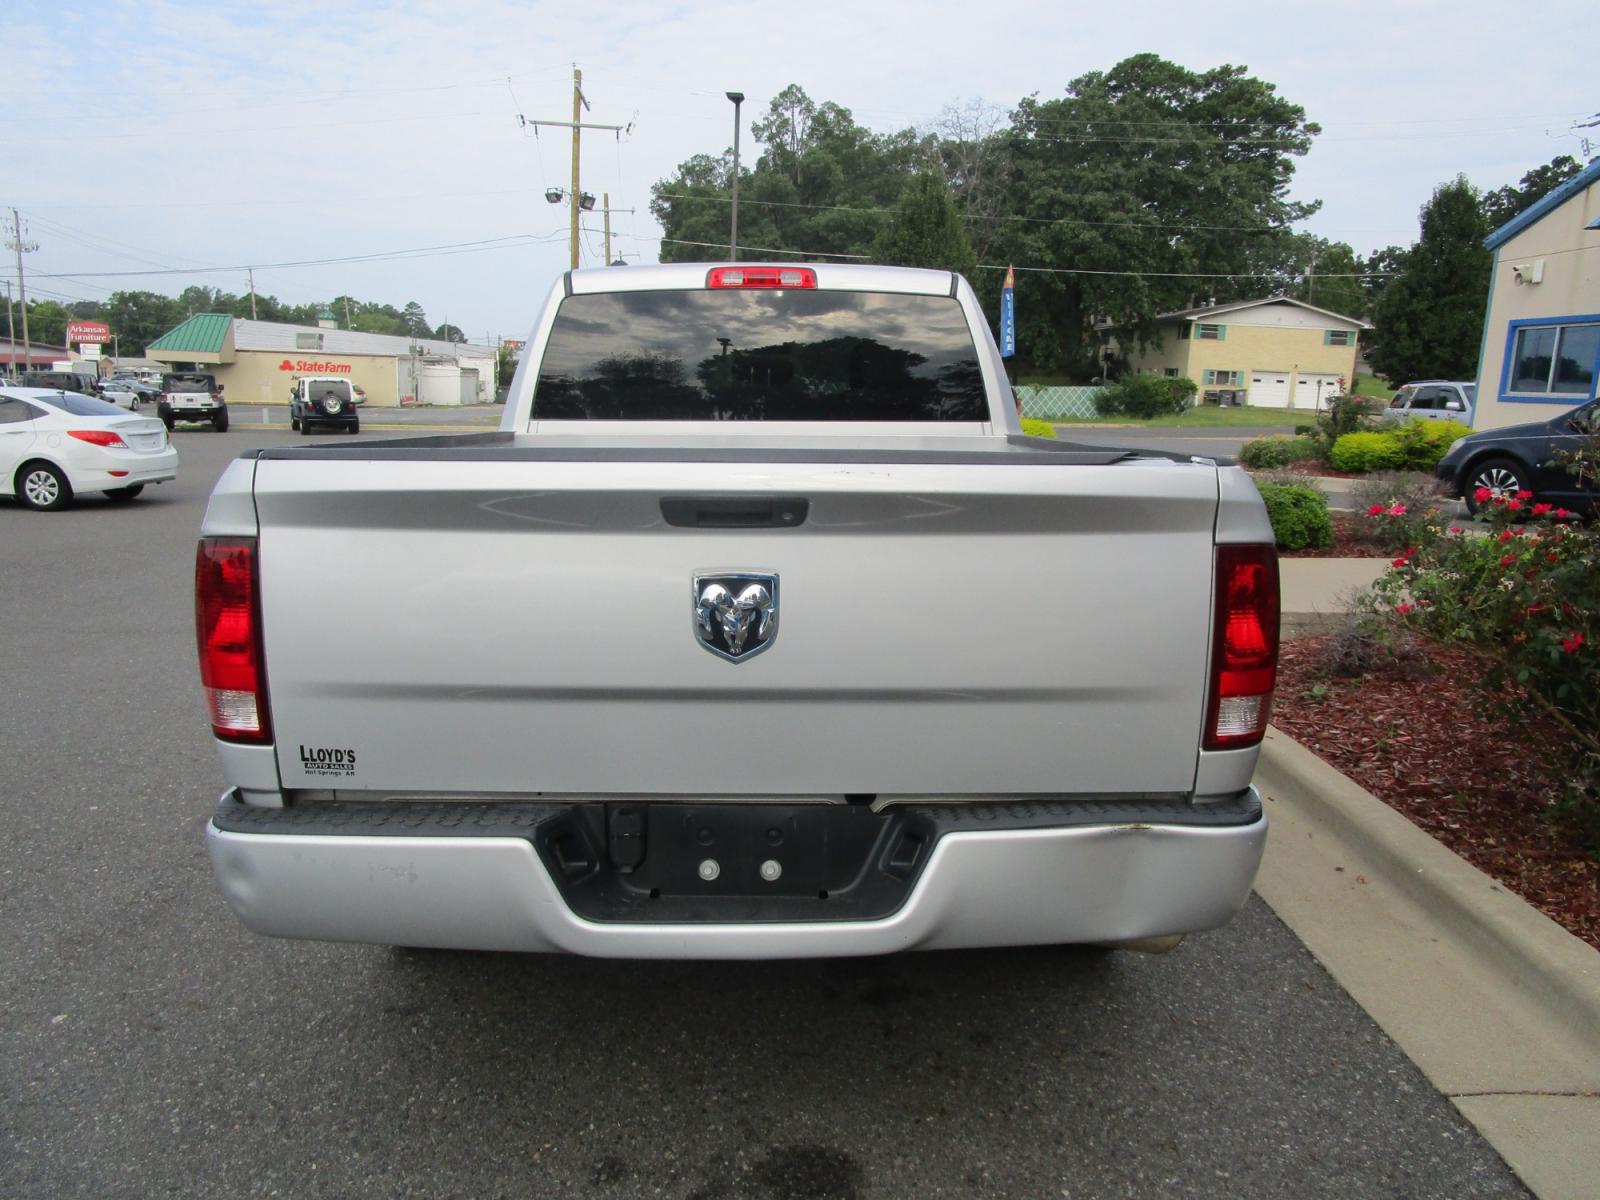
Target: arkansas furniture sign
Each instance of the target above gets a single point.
(94, 333)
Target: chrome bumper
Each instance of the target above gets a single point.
(1013, 887)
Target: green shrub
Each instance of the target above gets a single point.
(1278, 451)
(1299, 516)
(1364, 451)
(1145, 396)
(1423, 443)
(1034, 428)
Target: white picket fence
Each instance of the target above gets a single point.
(1054, 403)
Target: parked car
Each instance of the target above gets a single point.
(1521, 458)
(55, 445)
(1433, 400)
(192, 396)
(323, 400)
(147, 391)
(60, 381)
(121, 393)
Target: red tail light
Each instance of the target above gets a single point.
(98, 437)
(761, 277)
(1244, 647)
(227, 611)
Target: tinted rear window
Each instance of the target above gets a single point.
(789, 355)
(82, 406)
(187, 383)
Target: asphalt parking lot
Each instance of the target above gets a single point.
(150, 1046)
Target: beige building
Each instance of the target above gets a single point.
(1277, 352)
(257, 361)
(1541, 334)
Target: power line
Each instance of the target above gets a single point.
(378, 256)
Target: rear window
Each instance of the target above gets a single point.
(187, 383)
(767, 355)
(82, 406)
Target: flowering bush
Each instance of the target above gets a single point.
(1528, 595)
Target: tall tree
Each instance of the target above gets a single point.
(926, 230)
(1172, 184)
(449, 333)
(819, 187)
(1332, 279)
(1503, 203)
(415, 320)
(1429, 321)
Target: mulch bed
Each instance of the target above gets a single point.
(1345, 542)
(1483, 786)
(1315, 467)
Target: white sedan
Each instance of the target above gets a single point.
(54, 445)
(115, 391)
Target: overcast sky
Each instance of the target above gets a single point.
(180, 135)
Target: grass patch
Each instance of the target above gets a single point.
(1371, 385)
(1211, 416)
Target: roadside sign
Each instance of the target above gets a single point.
(93, 332)
(1008, 315)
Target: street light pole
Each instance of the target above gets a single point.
(733, 229)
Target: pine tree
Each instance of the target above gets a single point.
(926, 229)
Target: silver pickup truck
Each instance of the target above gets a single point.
(758, 630)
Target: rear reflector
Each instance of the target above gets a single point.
(97, 437)
(761, 277)
(227, 610)
(1244, 647)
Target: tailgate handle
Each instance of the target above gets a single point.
(735, 512)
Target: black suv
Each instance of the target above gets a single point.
(192, 396)
(60, 381)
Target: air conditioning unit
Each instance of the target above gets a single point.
(1528, 272)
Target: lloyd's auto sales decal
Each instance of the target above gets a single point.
(313, 366)
(326, 761)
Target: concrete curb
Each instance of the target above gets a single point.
(1549, 966)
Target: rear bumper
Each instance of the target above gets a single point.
(1095, 882)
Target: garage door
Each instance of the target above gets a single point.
(1269, 388)
(1312, 391)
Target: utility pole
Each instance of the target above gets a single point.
(252, 293)
(577, 124)
(11, 337)
(349, 322)
(21, 247)
(605, 207)
(733, 228)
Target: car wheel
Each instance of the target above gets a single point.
(1501, 476)
(123, 495)
(41, 486)
(305, 428)
(219, 421)
(352, 427)
(169, 423)
(294, 424)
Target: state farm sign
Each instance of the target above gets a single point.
(93, 332)
(312, 366)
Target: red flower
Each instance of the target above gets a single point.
(1405, 610)
(1540, 510)
(1399, 510)
(1508, 560)
(1552, 557)
(1399, 562)
(1514, 505)
(1505, 536)
(1562, 513)
(1483, 495)
(1571, 644)
(1455, 529)
(1524, 495)
(1375, 510)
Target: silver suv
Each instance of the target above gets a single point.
(1434, 400)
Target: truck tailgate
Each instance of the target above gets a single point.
(521, 627)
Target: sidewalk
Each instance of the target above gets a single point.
(1497, 1004)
